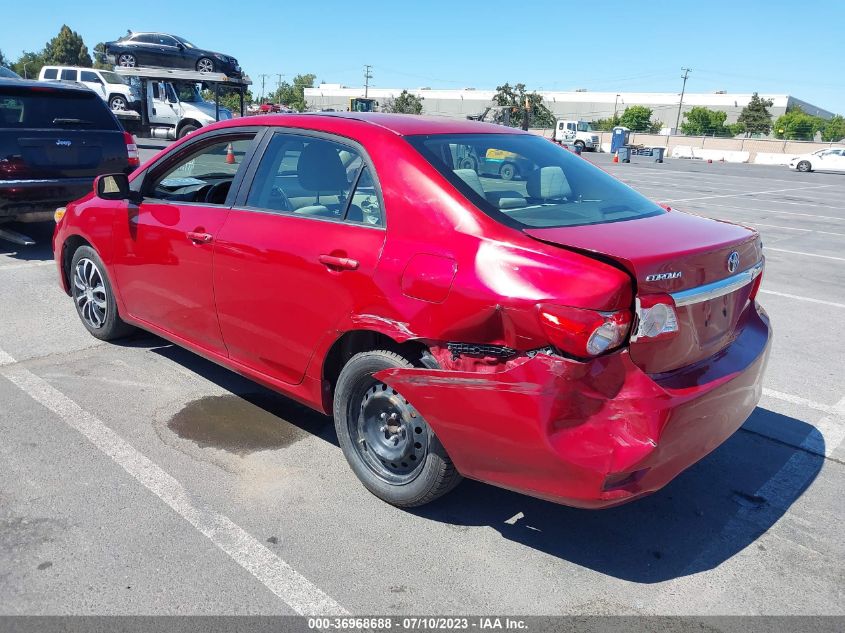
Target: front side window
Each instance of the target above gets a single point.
(87, 75)
(527, 182)
(583, 126)
(315, 177)
(113, 78)
(204, 175)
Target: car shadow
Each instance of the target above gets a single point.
(40, 232)
(708, 514)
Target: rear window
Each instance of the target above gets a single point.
(54, 109)
(527, 181)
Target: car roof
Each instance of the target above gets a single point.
(44, 85)
(403, 124)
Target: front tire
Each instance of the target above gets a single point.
(125, 60)
(804, 166)
(205, 65)
(117, 102)
(93, 296)
(387, 443)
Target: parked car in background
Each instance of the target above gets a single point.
(115, 90)
(168, 51)
(560, 335)
(8, 73)
(54, 140)
(829, 159)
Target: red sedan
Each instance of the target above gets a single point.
(556, 334)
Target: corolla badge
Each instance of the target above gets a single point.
(733, 262)
(664, 276)
(63, 143)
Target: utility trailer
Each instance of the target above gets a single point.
(171, 103)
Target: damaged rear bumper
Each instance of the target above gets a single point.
(589, 434)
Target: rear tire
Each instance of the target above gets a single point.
(508, 171)
(93, 296)
(387, 443)
(804, 166)
(126, 60)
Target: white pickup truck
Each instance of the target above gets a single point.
(577, 133)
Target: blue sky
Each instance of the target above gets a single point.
(773, 46)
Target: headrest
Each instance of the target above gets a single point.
(471, 178)
(320, 168)
(548, 183)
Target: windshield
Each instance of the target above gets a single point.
(526, 181)
(112, 78)
(583, 126)
(188, 93)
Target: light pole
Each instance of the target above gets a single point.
(615, 102)
(25, 64)
(681, 103)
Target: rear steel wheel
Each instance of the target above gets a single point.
(386, 441)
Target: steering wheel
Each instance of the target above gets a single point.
(221, 188)
(279, 197)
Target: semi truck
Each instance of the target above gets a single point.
(172, 104)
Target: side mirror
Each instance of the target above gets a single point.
(112, 187)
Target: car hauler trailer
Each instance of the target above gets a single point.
(171, 103)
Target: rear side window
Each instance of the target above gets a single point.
(51, 73)
(525, 181)
(47, 107)
(315, 177)
(68, 74)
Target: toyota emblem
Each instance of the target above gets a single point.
(733, 262)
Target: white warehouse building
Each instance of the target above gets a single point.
(583, 105)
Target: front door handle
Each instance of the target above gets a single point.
(343, 263)
(200, 238)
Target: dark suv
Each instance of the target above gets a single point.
(54, 140)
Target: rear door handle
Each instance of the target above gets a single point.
(343, 263)
(199, 238)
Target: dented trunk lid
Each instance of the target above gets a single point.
(672, 253)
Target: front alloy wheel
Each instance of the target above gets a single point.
(205, 65)
(803, 166)
(89, 293)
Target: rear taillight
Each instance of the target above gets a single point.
(584, 333)
(656, 318)
(755, 285)
(132, 150)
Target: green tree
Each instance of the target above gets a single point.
(834, 129)
(405, 103)
(99, 56)
(67, 48)
(701, 121)
(755, 116)
(229, 99)
(293, 94)
(29, 64)
(798, 125)
(514, 98)
(636, 118)
(606, 125)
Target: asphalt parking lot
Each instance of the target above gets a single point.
(138, 478)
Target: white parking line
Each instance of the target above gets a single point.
(783, 250)
(748, 193)
(753, 210)
(799, 400)
(26, 265)
(295, 590)
(792, 228)
(832, 304)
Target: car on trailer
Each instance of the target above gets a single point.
(168, 51)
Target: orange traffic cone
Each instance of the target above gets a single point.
(616, 157)
(230, 155)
